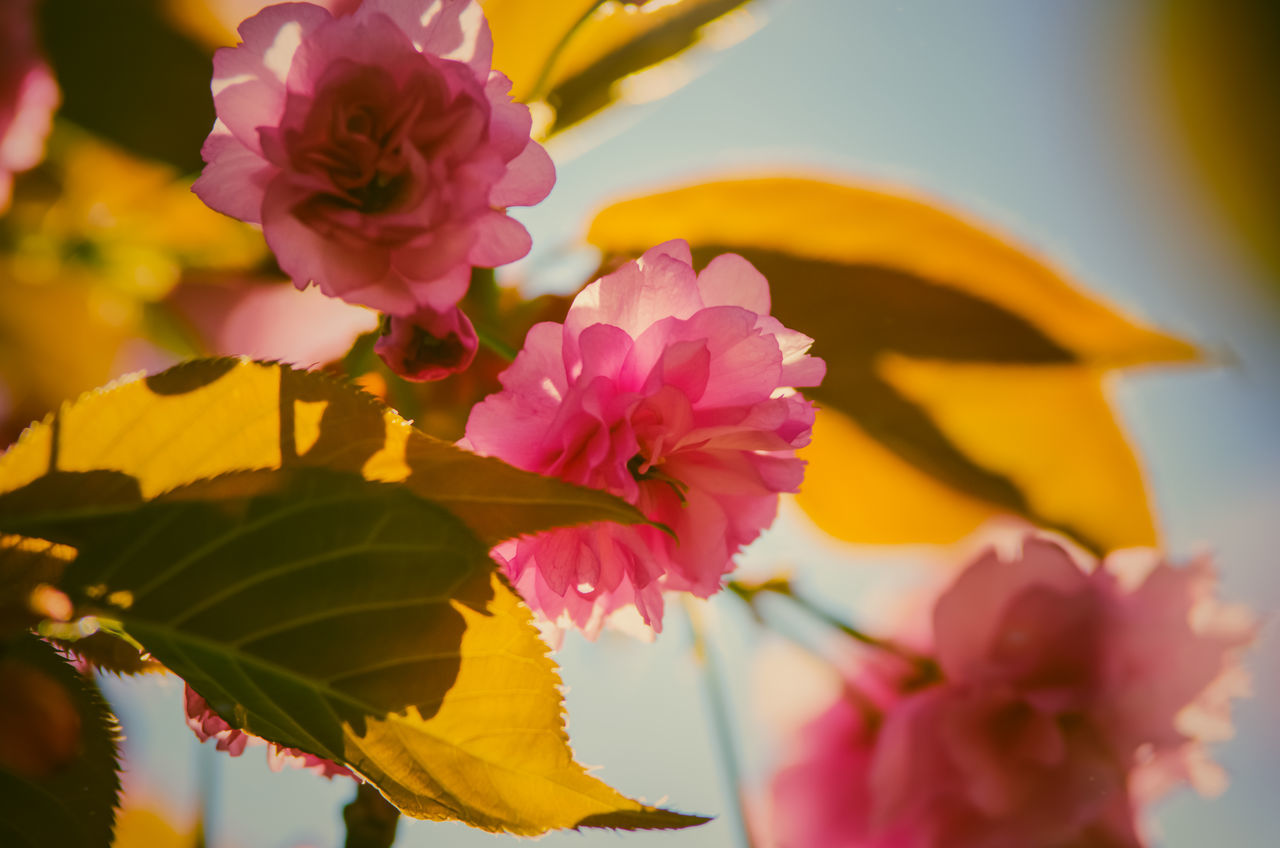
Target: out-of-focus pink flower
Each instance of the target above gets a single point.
(207, 725)
(268, 319)
(377, 149)
(428, 345)
(823, 795)
(672, 390)
(28, 94)
(1068, 697)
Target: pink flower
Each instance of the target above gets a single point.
(1066, 697)
(207, 724)
(671, 390)
(266, 318)
(377, 150)
(429, 345)
(823, 795)
(28, 94)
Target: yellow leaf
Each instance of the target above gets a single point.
(574, 53)
(210, 417)
(845, 224)
(86, 262)
(857, 490)
(57, 339)
(318, 570)
(134, 224)
(526, 34)
(963, 372)
(1048, 429)
(353, 620)
(1212, 73)
(143, 827)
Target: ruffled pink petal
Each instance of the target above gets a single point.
(730, 280)
(207, 724)
(830, 760)
(350, 271)
(453, 29)
(499, 239)
(509, 122)
(528, 179)
(387, 149)
(362, 39)
(966, 618)
(1052, 720)
(249, 80)
(533, 388)
(442, 254)
(647, 393)
(234, 182)
(646, 292)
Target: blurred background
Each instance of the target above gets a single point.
(1130, 145)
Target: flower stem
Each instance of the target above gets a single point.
(750, 594)
(487, 338)
(721, 719)
(370, 819)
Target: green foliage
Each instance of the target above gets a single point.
(64, 791)
(574, 54)
(127, 75)
(339, 600)
(208, 417)
(26, 565)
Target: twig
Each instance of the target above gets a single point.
(495, 344)
(750, 593)
(371, 820)
(721, 725)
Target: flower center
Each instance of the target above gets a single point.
(356, 138)
(641, 471)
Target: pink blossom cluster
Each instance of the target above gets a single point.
(673, 390)
(1069, 693)
(379, 152)
(207, 725)
(28, 94)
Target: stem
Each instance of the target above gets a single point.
(783, 588)
(495, 344)
(207, 795)
(536, 92)
(722, 729)
(371, 820)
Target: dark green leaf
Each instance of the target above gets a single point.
(62, 791)
(129, 77)
(212, 416)
(352, 620)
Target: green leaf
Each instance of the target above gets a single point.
(574, 54)
(64, 792)
(141, 437)
(964, 374)
(156, 103)
(107, 652)
(353, 620)
(25, 565)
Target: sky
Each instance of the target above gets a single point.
(1041, 119)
